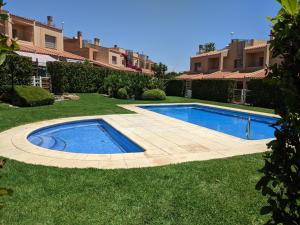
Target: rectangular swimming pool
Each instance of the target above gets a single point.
(227, 121)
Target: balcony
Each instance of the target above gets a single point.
(22, 30)
(255, 61)
(213, 64)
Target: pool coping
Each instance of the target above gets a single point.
(150, 130)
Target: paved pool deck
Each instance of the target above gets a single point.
(166, 141)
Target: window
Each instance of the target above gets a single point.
(238, 63)
(94, 55)
(50, 41)
(15, 33)
(261, 61)
(198, 66)
(114, 60)
(147, 66)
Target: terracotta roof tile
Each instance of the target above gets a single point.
(29, 47)
(256, 46)
(224, 75)
(208, 54)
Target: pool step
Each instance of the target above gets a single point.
(52, 143)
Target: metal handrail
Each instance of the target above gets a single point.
(248, 128)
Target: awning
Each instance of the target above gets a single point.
(73, 60)
(41, 59)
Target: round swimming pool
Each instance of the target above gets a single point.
(87, 136)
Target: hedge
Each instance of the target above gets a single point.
(264, 93)
(75, 77)
(27, 95)
(154, 94)
(175, 88)
(213, 90)
(18, 66)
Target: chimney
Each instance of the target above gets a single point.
(79, 38)
(50, 20)
(115, 46)
(201, 49)
(97, 41)
(79, 34)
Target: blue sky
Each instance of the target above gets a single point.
(167, 30)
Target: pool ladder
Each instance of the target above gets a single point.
(248, 128)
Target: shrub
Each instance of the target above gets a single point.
(31, 96)
(213, 90)
(122, 93)
(281, 180)
(75, 77)
(134, 83)
(264, 93)
(175, 88)
(154, 94)
(17, 66)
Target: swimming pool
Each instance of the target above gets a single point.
(86, 136)
(227, 121)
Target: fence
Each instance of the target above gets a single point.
(43, 82)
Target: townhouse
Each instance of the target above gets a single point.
(114, 57)
(45, 42)
(41, 41)
(241, 60)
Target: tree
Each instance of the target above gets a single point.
(281, 180)
(159, 70)
(7, 44)
(209, 47)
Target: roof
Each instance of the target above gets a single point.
(208, 54)
(256, 46)
(38, 22)
(29, 47)
(225, 75)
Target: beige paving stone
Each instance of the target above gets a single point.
(165, 140)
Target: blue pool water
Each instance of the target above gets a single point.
(89, 136)
(227, 121)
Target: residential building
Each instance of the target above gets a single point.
(240, 55)
(41, 41)
(115, 57)
(241, 60)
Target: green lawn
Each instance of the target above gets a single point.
(210, 192)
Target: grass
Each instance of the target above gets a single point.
(209, 192)
(89, 104)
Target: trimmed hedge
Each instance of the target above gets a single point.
(264, 93)
(154, 94)
(18, 66)
(175, 88)
(75, 77)
(28, 96)
(213, 90)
